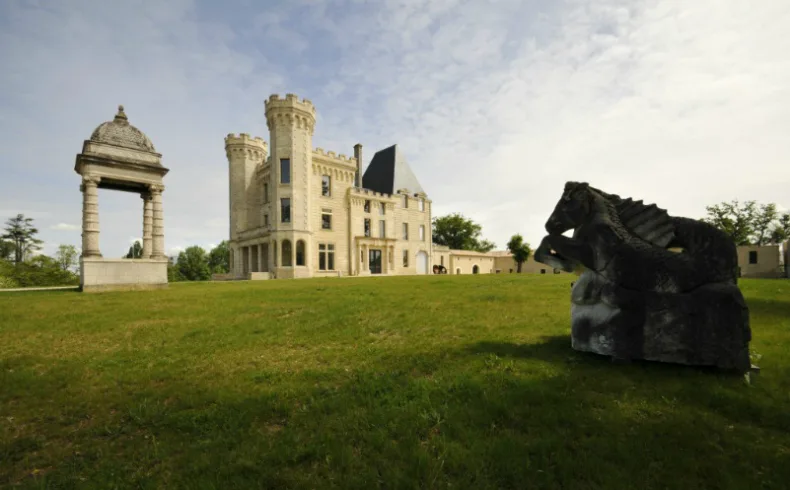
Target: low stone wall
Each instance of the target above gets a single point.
(222, 277)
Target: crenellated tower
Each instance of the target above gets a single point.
(244, 155)
(291, 123)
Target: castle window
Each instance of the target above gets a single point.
(753, 257)
(265, 192)
(265, 220)
(300, 252)
(285, 170)
(367, 205)
(405, 201)
(326, 219)
(405, 258)
(422, 233)
(367, 226)
(422, 204)
(326, 256)
(383, 229)
(382, 208)
(286, 249)
(441, 260)
(285, 209)
(405, 231)
(326, 185)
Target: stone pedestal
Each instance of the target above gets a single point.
(98, 274)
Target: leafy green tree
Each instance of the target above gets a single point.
(781, 230)
(173, 274)
(193, 264)
(764, 217)
(749, 223)
(39, 271)
(520, 250)
(459, 233)
(219, 258)
(22, 234)
(66, 256)
(135, 251)
(6, 250)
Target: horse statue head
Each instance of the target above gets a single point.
(573, 209)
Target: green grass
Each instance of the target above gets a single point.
(413, 382)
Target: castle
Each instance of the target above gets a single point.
(301, 211)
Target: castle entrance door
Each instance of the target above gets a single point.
(374, 259)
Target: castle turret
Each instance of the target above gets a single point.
(244, 154)
(291, 123)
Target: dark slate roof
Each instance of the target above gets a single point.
(388, 172)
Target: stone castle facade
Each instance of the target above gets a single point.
(298, 211)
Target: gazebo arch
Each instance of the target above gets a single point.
(120, 157)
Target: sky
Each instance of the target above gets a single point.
(495, 104)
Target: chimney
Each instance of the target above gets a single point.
(358, 156)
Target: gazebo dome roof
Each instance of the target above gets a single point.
(119, 132)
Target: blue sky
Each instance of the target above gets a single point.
(495, 104)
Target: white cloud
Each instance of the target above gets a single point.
(65, 227)
(680, 103)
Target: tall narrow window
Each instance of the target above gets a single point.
(367, 205)
(383, 229)
(405, 201)
(326, 185)
(265, 192)
(265, 220)
(367, 226)
(326, 219)
(422, 233)
(405, 231)
(382, 208)
(405, 258)
(422, 204)
(753, 257)
(441, 260)
(285, 170)
(285, 209)
(286, 249)
(326, 256)
(300, 252)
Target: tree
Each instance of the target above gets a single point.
(781, 230)
(193, 264)
(66, 256)
(135, 251)
(219, 258)
(459, 233)
(22, 234)
(6, 250)
(734, 219)
(761, 224)
(520, 250)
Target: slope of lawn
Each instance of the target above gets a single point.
(405, 382)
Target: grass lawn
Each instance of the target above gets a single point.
(406, 382)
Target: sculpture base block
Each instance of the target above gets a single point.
(97, 274)
(705, 327)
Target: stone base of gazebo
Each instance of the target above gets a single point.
(99, 274)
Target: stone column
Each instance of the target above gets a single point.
(148, 224)
(90, 216)
(158, 242)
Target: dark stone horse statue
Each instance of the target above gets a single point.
(651, 286)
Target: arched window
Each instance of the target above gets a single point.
(475, 270)
(300, 252)
(286, 248)
(458, 271)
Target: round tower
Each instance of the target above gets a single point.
(244, 155)
(291, 123)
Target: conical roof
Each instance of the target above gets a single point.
(388, 173)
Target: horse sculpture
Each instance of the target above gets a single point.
(651, 286)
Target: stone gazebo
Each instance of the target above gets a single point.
(119, 156)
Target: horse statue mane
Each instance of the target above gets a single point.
(646, 221)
